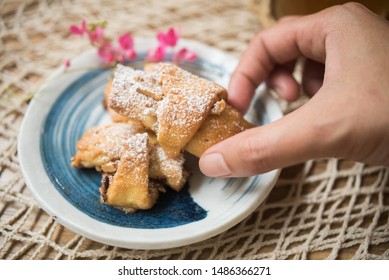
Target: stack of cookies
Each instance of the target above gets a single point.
(157, 114)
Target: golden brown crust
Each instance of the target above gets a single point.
(216, 128)
(149, 67)
(177, 102)
(156, 115)
(188, 99)
(126, 97)
(169, 170)
(129, 187)
(192, 111)
(116, 117)
(102, 147)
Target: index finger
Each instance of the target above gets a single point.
(279, 44)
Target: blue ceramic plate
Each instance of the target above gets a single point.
(71, 102)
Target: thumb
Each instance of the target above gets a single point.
(301, 135)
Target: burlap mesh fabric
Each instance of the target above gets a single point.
(320, 209)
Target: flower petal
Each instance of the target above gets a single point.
(66, 63)
(156, 55)
(107, 52)
(190, 56)
(185, 54)
(126, 41)
(129, 54)
(74, 29)
(83, 26)
(170, 38)
(96, 35)
(123, 55)
(161, 38)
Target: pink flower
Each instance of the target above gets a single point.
(107, 52)
(126, 42)
(96, 35)
(74, 29)
(169, 38)
(126, 48)
(66, 63)
(157, 54)
(186, 55)
(122, 55)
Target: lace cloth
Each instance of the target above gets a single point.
(325, 208)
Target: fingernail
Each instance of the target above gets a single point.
(214, 165)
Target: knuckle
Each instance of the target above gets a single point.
(255, 156)
(347, 13)
(355, 6)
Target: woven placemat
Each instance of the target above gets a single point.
(320, 209)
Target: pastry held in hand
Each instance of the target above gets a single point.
(176, 105)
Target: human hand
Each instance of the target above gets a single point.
(346, 74)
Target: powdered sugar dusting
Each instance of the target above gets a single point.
(169, 165)
(171, 169)
(137, 147)
(128, 96)
(187, 102)
(169, 100)
(114, 139)
(182, 113)
(102, 147)
(219, 107)
(135, 160)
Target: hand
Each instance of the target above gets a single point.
(347, 75)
